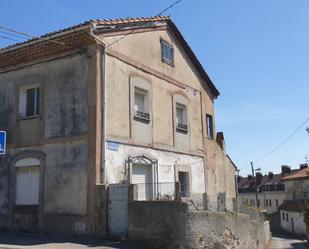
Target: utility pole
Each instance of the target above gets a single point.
(255, 185)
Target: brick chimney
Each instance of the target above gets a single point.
(285, 169)
(303, 166)
(259, 178)
(220, 140)
(270, 175)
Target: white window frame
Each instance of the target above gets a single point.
(166, 45)
(22, 110)
(181, 125)
(143, 114)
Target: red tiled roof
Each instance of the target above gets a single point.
(132, 20)
(123, 21)
(302, 174)
(277, 179)
(92, 21)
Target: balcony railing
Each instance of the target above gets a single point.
(142, 116)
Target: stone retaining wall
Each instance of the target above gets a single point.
(172, 225)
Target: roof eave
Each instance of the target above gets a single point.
(193, 58)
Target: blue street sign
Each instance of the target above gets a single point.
(2, 142)
(113, 146)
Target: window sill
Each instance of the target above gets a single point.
(28, 117)
(211, 138)
(170, 63)
(25, 208)
(182, 131)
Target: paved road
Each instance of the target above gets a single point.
(37, 241)
(285, 242)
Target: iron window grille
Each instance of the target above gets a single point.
(182, 127)
(143, 116)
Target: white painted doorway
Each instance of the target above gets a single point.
(142, 178)
(118, 209)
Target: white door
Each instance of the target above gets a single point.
(142, 177)
(118, 209)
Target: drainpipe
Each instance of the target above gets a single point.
(103, 103)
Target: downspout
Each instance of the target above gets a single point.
(103, 103)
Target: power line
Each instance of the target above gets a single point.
(169, 7)
(159, 14)
(15, 35)
(8, 38)
(278, 146)
(29, 35)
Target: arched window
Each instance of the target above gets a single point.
(27, 181)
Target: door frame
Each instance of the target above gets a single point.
(145, 161)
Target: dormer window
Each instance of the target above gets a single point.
(167, 53)
(181, 118)
(141, 106)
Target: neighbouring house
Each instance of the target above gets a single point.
(293, 209)
(94, 109)
(271, 189)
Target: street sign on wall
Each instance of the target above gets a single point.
(2, 142)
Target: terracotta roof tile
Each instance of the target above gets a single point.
(123, 21)
(302, 174)
(97, 21)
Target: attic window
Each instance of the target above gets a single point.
(167, 52)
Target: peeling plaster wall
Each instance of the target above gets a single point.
(66, 98)
(123, 61)
(115, 166)
(62, 135)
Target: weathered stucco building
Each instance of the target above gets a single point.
(107, 102)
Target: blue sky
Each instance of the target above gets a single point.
(256, 52)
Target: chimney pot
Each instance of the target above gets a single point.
(303, 166)
(285, 169)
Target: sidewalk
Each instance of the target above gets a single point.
(38, 241)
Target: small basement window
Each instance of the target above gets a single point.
(167, 52)
(29, 101)
(181, 118)
(141, 105)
